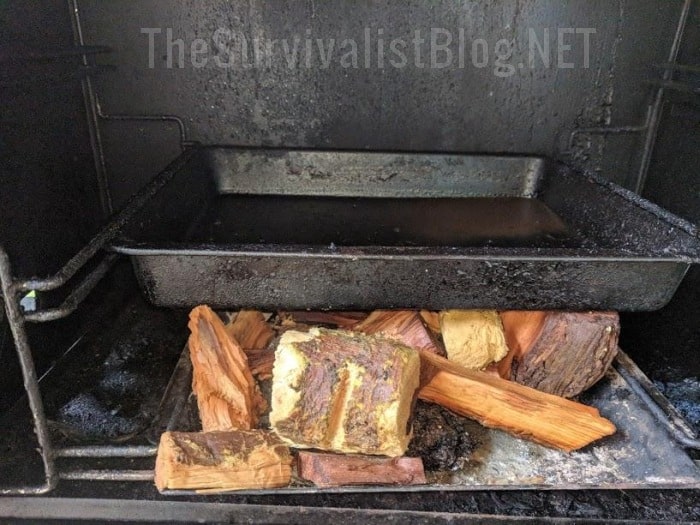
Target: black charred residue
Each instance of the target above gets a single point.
(115, 393)
(440, 438)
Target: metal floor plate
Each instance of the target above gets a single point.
(642, 454)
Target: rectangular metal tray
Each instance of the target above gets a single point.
(270, 228)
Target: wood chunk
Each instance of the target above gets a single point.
(250, 330)
(501, 369)
(496, 403)
(261, 362)
(343, 391)
(227, 395)
(332, 470)
(405, 326)
(562, 353)
(432, 321)
(342, 320)
(473, 338)
(219, 461)
(283, 322)
(216, 413)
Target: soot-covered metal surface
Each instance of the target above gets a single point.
(115, 393)
(148, 341)
(415, 107)
(105, 389)
(295, 229)
(111, 389)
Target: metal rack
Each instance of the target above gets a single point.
(12, 290)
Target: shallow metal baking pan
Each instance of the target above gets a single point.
(235, 227)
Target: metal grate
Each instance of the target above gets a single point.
(14, 288)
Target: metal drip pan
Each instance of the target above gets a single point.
(269, 228)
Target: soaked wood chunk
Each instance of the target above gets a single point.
(473, 338)
(405, 326)
(343, 391)
(562, 353)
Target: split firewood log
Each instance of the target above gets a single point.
(333, 470)
(254, 335)
(562, 353)
(432, 321)
(405, 326)
(250, 330)
(473, 338)
(343, 392)
(520, 410)
(220, 461)
(227, 395)
(342, 320)
(261, 362)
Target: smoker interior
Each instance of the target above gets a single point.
(88, 123)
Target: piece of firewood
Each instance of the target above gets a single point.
(473, 338)
(261, 362)
(432, 321)
(283, 322)
(250, 330)
(254, 335)
(342, 320)
(562, 353)
(501, 369)
(333, 470)
(405, 326)
(496, 403)
(227, 395)
(343, 391)
(219, 461)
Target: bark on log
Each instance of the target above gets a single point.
(219, 461)
(227, 395)
(344, 392)
(332, 470)
(404, 326)
(562, 353)
(496, 403)
(473, 338)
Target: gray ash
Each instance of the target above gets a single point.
(440, 438)
(94, 419)
(685, 396)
